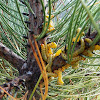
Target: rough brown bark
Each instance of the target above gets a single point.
(11, 57)
(32, 66)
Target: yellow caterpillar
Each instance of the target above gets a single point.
(49, 55)
(52, 45)
(78, 30)
(77, 52)
(43, 52)
(88, 52)
(51, 24)
(59, 74)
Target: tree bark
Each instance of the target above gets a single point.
(11, 57)
(36, 20)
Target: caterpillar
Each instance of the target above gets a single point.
(43, 52)
(76, 59)
(57, 53)
(52, 45)
(50, 28)
(88, 51)
(77, 52)
(75, 65)
(49, 64)
(49, 56)
(59, 74)
(51, 24)
(82, 33)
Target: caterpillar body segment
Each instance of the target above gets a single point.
(51, 25)
(64, 56)
(49, 48)
(52, 74)
(50, 29)
(52, 45)
(57, 53)
(76, 59)
(50, 51)
(88, 40)
(43, 52)
(88, 53)
(65, 67)
(79, 51)
(47, 16)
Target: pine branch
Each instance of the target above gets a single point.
(62, 62)
(11, 57)
(14, 83)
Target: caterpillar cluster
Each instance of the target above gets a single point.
(48, 55)
(50, 27)
(51, 24)
(84, 49)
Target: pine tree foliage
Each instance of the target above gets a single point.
(82, 83)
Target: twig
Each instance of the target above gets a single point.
(14, 83)
(11, 57)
